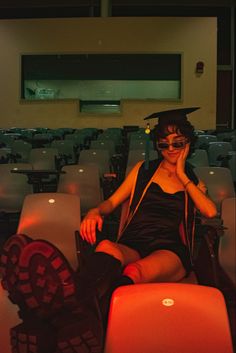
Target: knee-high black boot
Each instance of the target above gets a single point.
(97, 275)
(106, 298)
(83, 325)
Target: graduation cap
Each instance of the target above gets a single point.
(166, 117)
(172, 115)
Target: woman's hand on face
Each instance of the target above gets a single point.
(180, 165)
(92, 221)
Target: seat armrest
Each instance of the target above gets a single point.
(206, 263)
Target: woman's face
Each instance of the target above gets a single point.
(171, 146)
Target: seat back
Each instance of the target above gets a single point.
(219, 183)
(217, 151)
(84, 181)
(43, 158)
(65, 148)
(139, 144)
(7, 140)
(101, 158)
(78, 137)
(4, 155)
(13, 187)
(232, 164)
(204, 140)
(112, 135)
(104, 144)
(227, 246)
(21, 148)
(199, 158)
(53, 217)
(233, 143)
(167, 318)
(134, 156)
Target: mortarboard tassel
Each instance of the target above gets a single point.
(147, 146)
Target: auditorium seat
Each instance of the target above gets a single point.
(204, 140)
(99, 157)
(77, 138)
(106, 144)
(66, 150)
(43, 158)
(84, 181)
(219, 183)
(139, 144)
(232, 164)
(113, 135)
(227, 245)
(167, 318)
(54, 217)
(20, 150)
(199, 158)
(13, 187)
(42, 139)
(233, 143)
(217, 152)
(4, 155)
(6, 140)
(134, 156)
(136, 135)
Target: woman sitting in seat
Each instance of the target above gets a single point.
(155, 245)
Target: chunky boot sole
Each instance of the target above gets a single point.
(9, 264)
(80, 336)
(36, 339)
(46, 280)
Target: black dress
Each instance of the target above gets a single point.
(156, 223)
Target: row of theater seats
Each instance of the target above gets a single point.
(51, 167)
(56, 216)
(195, 316)
(123, 149)
(219, 149)
(84, 179)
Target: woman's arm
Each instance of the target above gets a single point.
(197, 192)
(94, 217)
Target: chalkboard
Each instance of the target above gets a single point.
(102, 67)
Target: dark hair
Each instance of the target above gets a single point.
(181, 126)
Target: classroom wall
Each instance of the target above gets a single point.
(195, 37)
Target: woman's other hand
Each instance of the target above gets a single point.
(92, 221)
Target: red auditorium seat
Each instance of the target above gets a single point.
(168, 318)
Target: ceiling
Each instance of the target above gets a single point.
(90, 8)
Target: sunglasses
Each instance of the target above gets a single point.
(178, 145)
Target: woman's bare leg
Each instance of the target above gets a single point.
(160, 266)
(121, 252)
